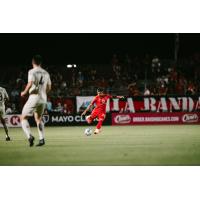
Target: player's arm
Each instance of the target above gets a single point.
(6, 95)
(48, 85)
(48, 88)
(89, 107)
(28, 86)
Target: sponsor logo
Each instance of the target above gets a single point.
(45, 118)
(68, 118)
(122, 119)
(15, 120)
(189, 118)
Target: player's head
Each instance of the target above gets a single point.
(100, 91)
(36, 60)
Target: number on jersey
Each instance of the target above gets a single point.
(1, 97)
(41, 81)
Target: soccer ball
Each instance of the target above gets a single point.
(88, 131)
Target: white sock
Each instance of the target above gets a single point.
(40, 127)
(26, 128)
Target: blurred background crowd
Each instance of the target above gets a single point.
(125, 75)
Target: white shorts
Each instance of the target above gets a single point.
(2, 112)
(34, 105)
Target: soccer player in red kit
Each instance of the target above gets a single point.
(100, 109)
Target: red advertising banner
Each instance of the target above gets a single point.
(155, 104)
(146, 104)
(155, 118)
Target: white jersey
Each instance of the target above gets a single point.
(3, 96)
(40, 79)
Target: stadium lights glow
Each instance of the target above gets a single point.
(71, 65)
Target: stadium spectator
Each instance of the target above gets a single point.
(80, 78)
(59, 108)
(66, 110)
(180, 84)
(190, 88)
(63, 85)
(9, 110)
(49, 106)
(14, 94)
(102, 83)
(114, 61)
(156, 64)
(147, 92)
(162, 90)
(128, 63)
(93, 74)
(133, 90)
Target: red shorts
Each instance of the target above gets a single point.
(98, 114)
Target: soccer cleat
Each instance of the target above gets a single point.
(97, 131)
(41, 143)
(8, 138)
(31, 141)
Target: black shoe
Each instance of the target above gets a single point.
(8, 138)
(41, 143)
(31, 141)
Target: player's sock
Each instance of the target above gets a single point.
(97, 131)
(6, 130)
(26, 128)
(99, 125)
(41, 143)
(40, 127)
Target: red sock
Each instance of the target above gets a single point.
(99, 125)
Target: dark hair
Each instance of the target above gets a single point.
(100, 90)
(37, 59)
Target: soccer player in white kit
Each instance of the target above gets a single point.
(3, 97)
(39, 84)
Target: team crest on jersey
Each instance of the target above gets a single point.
(103, 101)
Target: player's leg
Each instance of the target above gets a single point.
(40, 125)
(5, 127)
(91, 117)
(101, 118)
(27, 111)
(27, 130)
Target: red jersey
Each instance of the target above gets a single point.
(100, 102)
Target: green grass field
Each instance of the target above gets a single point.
(124, 145)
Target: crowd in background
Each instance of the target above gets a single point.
(125, 75)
